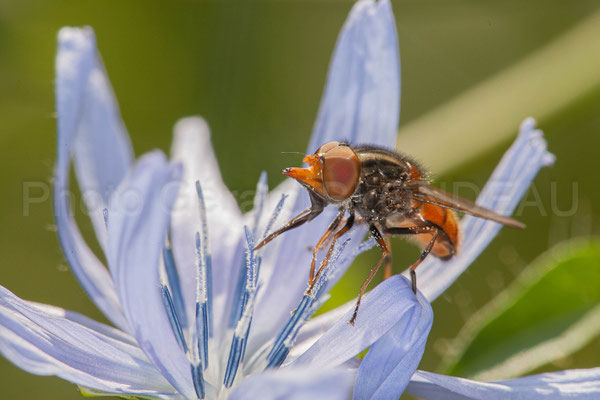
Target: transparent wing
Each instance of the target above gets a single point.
(429, 194)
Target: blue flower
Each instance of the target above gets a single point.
(198, 313)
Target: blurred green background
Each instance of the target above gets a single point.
(256, 71)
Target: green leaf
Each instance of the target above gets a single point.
(549, 312)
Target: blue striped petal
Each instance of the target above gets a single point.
(577, 384)
(137, 227)
(296, 384)
(360, 103)
(390, 363)
(192, 147)
(75, 61)
(398, 342)
(391, 305)
(46, 340)
(102, 152)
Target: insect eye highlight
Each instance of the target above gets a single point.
(341, 171)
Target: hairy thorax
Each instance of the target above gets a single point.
(383, 191)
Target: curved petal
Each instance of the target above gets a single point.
(137, 227)
(84, 321)
(102, 151)
(296, 384)
(389, 309)
(46, 343)
(316, 327)
(503, 191)
(390, 363)
(361, 104)
(192, 147)
(577, 384)
(75, 60)
(361, 101)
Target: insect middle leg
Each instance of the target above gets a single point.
(358, 220)
(385, 252)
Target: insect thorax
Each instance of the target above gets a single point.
(381, 190)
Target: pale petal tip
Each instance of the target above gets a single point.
(368, 7)
(76, 51)
(537, 137)
(152, 157)
(360, 5)
(194, 125)
(528, 124)
(76, 35)
(262, 180)
(548, 159)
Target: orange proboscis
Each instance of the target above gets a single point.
(312, 176)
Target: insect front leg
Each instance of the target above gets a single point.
(310, 213)
(324, 239)
(385, 252)
(349, 223)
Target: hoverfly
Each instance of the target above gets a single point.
(387, 192)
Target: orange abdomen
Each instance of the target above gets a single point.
(448, 242)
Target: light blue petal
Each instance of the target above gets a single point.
(192, 147)
(577, 384)
(41, 341)
(360, 103)
(140, 212)
(102, 151)
(296, 384)
(390, 308)
(84, 321)
(503, 191)
(315, 328)
(75, 60)
(390, 363)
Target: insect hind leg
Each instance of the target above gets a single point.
(387, 262)
(415, 230)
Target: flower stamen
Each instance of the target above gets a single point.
(174, 283)
(259, 199)
(307, 307)
(172, 313)
(203, 327)
(242, 327)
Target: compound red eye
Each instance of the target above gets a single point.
(326, 147)
(341, 172)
